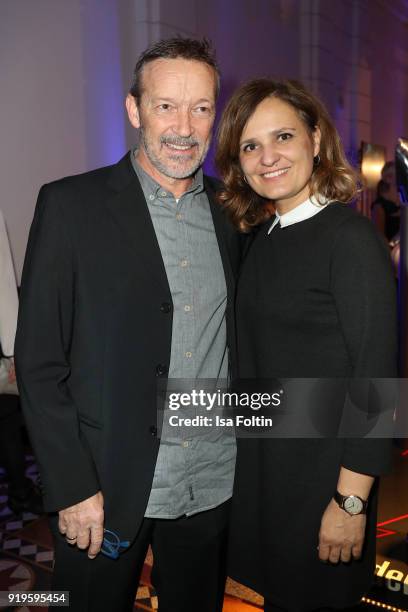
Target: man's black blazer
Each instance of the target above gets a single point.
(94, 334)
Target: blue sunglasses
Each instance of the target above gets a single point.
(111, 545)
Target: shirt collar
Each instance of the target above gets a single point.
(303, 211)
(155, 188)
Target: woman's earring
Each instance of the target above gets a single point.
(245, 179)
(316, 160)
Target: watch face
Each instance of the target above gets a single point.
(353, 505)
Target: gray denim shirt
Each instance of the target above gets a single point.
(193, 473)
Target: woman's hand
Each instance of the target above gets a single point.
(341, 536)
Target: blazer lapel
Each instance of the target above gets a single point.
(128, 208)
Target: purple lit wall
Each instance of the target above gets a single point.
(251, 39)
(103, 87)
(62, 95)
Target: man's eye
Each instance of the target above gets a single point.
(164, 107)
(201, 110)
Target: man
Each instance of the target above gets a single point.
(128, 279)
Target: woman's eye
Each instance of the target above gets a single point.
(249, 147)
(285, 136)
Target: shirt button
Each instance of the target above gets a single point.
(151, 197)
(163, 194)
(187, 308)
(184, 263)
(179, 216)
(165, 307)
(185, 444)
(189, 354)
(153, 431)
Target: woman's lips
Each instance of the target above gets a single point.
(275, 173)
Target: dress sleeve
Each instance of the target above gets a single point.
(364, 291)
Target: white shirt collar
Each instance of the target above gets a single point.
(303, 211)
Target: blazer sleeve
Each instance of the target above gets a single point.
(42, 355)
(364, 290)
(8, 294)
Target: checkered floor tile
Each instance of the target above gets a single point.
(28, 551)
(146, 598)
(16, 523)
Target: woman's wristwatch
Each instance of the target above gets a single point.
(352, 504)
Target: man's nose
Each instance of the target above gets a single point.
(183, 126)
(270, 155)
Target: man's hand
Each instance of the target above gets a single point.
(341, 536)
(82, 524)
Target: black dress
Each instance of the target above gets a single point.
(315, 299)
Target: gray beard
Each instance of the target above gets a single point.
(172, 173)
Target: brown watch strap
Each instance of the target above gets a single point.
(340, 499)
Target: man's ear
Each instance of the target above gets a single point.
(132, 110)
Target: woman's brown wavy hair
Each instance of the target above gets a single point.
(333, 178)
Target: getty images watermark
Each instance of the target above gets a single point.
(287, 408)
(221, 400)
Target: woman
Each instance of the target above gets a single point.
(23, 495)
(9, 299)
(386, 212)
(316, 298)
